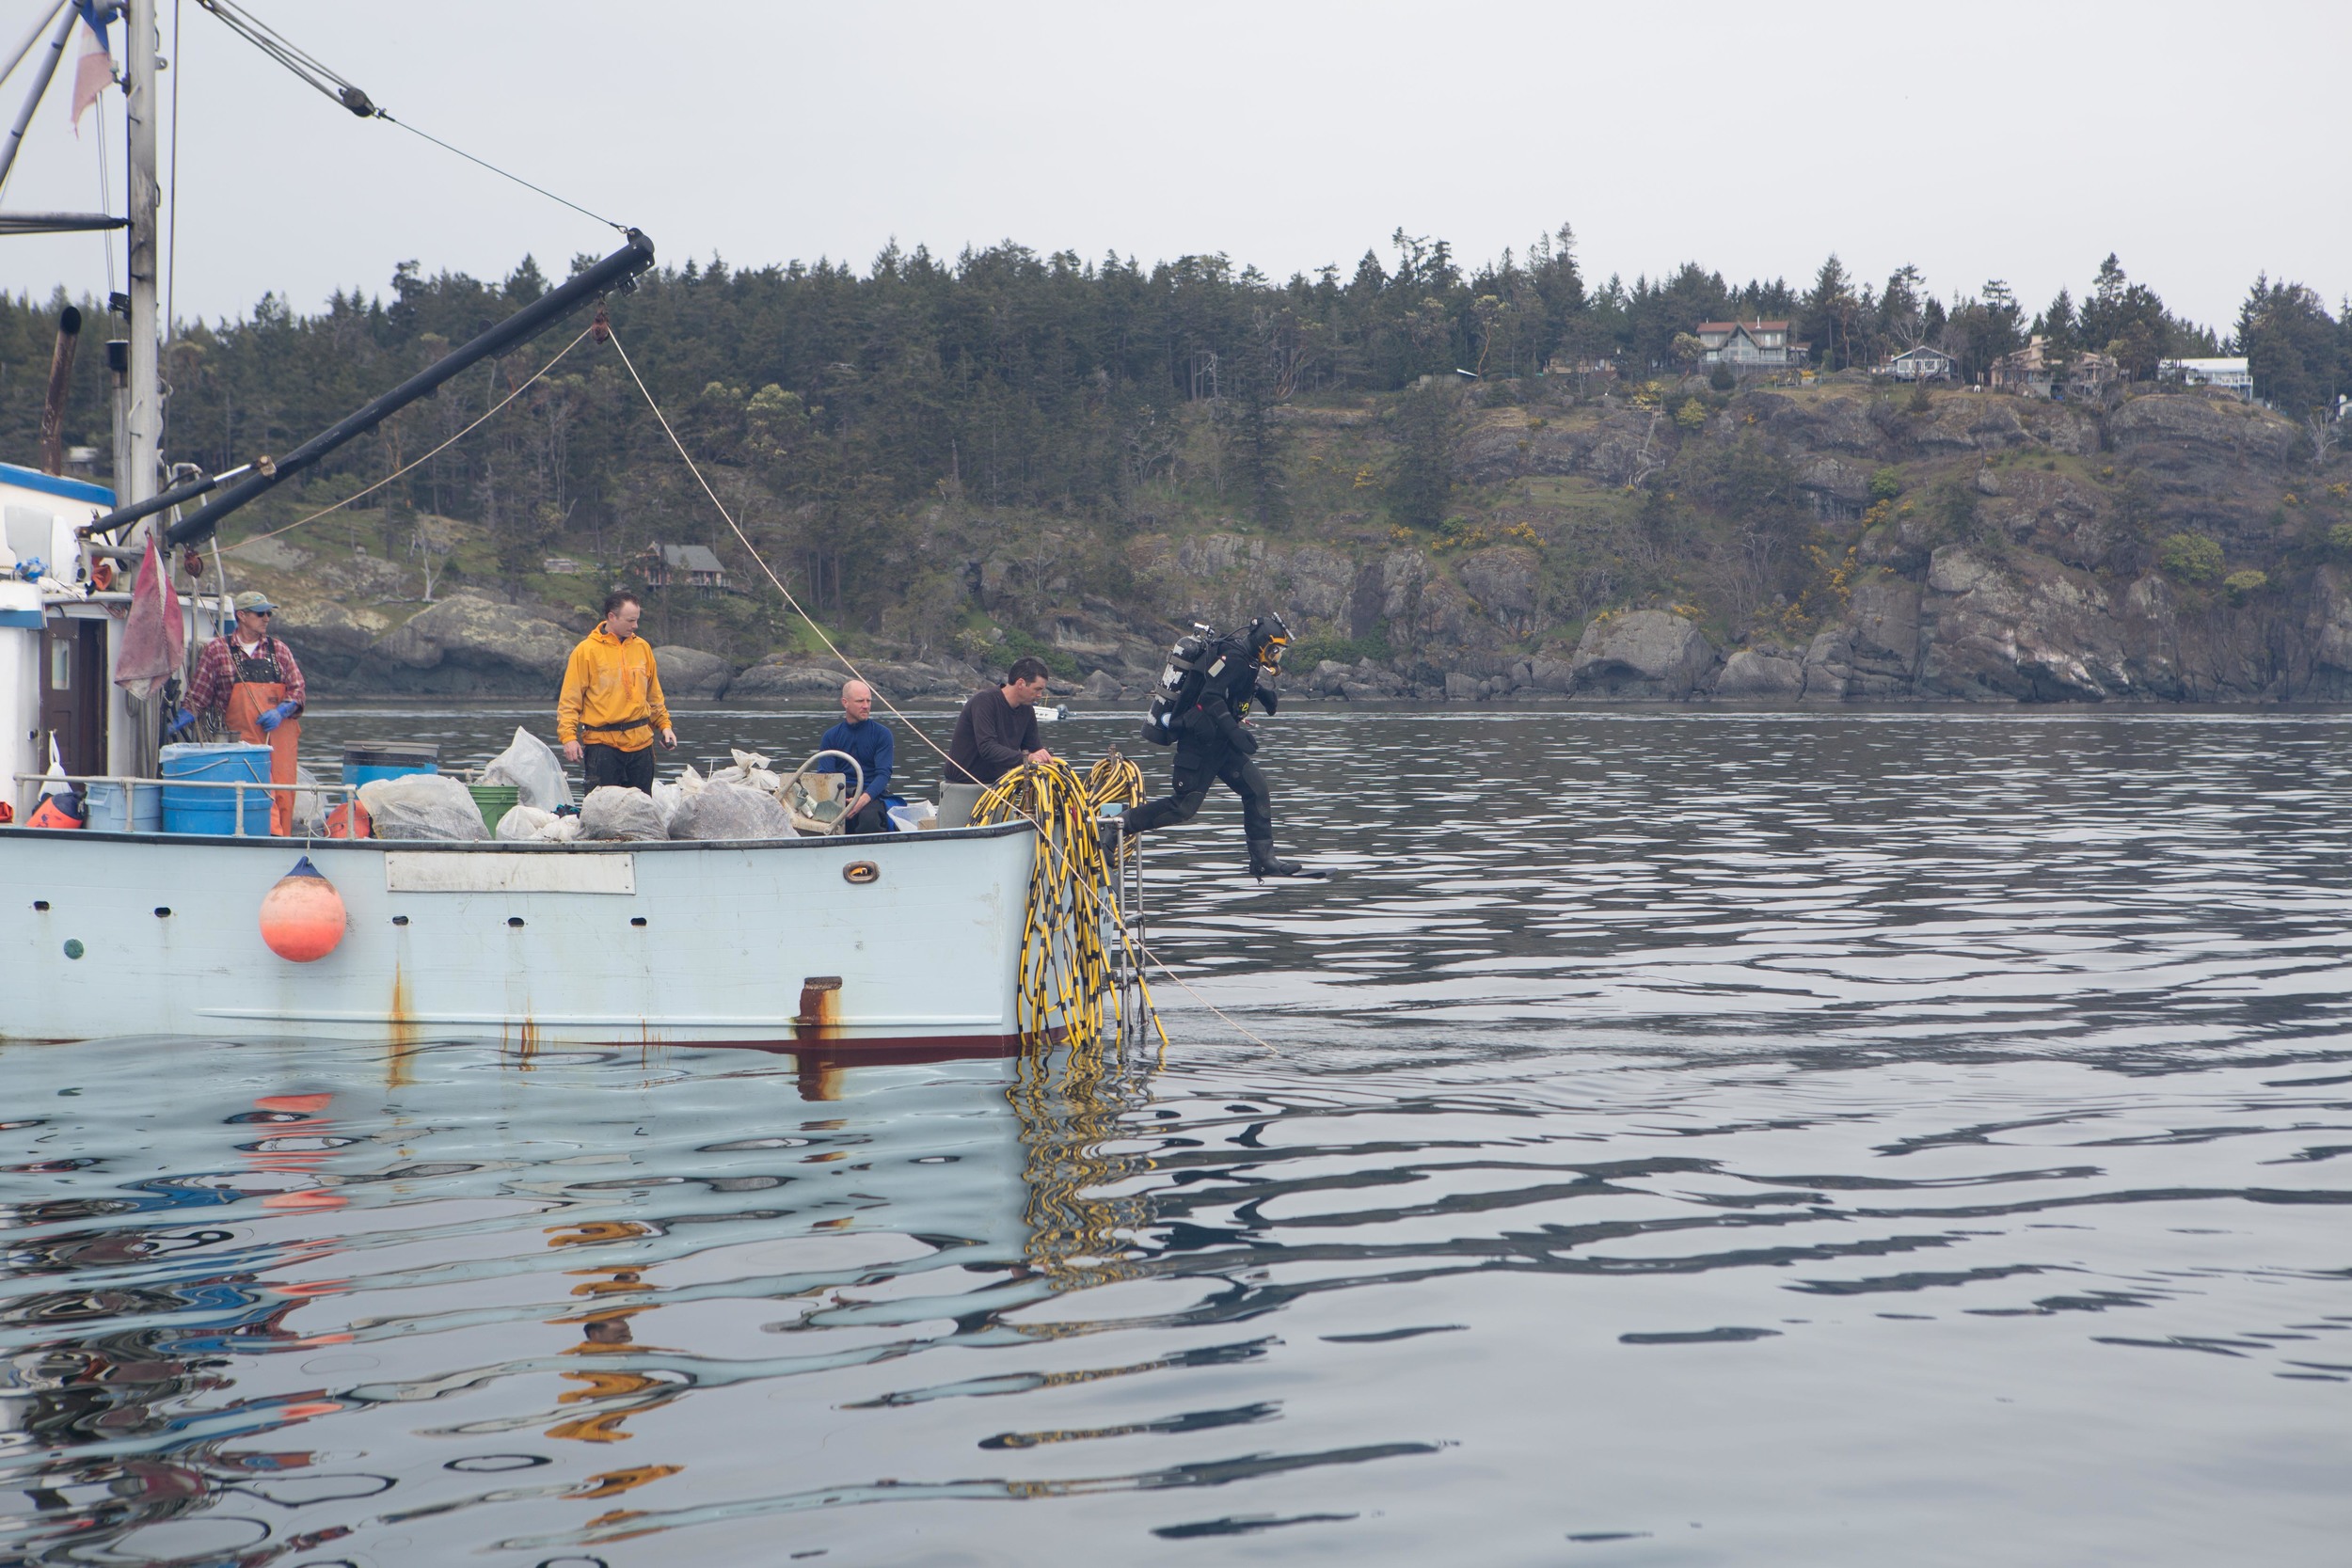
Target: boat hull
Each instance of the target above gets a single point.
(776, 942)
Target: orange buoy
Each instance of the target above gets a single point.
(303, 917)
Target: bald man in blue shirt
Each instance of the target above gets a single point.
(867, 739)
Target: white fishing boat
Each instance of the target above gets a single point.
(896, 941)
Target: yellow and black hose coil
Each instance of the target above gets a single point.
(1065, 964)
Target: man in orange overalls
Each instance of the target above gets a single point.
(248, 680)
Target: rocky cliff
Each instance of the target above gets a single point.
(1980, 548)
(1829, 544)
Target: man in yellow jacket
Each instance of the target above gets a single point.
(611, 705)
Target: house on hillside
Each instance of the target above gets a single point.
(1757, 345)
(2024, 371)
(2089, 373)
(2230, 375)
(1920, 364)
(1562, 364)
(2030, 372)
(692, 566)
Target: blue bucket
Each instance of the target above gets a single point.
(215, 811)
(116, 808)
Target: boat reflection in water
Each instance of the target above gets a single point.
(491, 1287)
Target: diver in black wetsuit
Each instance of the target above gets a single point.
(1212, 742)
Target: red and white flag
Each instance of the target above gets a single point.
(93, 74)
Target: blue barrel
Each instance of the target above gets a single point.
(118, 808)
(215, 811)
(366, 761)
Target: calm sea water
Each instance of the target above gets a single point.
(1679, 1138)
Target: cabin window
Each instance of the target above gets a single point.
(60, 666)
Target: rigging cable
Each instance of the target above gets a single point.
(350, 95)
(106, 189)
(831, 647)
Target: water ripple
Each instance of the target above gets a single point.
(1690, 1138)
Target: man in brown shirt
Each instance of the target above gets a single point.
(996, 731)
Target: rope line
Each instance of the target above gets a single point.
(536, 376)
(760, 561)
(316, 73)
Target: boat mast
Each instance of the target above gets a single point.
(144, 434)
(134, 726)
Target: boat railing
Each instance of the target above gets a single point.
(29, 784)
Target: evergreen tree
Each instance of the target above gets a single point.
(1421, 475)
(1830, 313)
(2295, 348)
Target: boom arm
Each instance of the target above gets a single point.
(524, 325)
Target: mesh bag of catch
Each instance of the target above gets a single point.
(530, 765)
(667, 798)
(722, 811)
(422, 805)
(523, 823)
(616, 812)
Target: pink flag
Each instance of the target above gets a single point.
(152, 637)
(93, 73)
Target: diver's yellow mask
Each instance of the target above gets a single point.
(1270, 652)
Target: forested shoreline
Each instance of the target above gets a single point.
(940, 455)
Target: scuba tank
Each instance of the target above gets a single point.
(1187, 670)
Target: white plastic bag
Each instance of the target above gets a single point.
(309, 806)
(616, 812)
(561, 830)
(422, 805)
(913, 817)
(530, 765)
(730, 811)
(523, 823)
(748, 769)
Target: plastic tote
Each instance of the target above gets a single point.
(120, 808)
(215, 811)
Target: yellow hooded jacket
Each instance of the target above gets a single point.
(611, 694)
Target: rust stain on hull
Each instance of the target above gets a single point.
(820, 1020)
(524, 1041)
(403, 1033)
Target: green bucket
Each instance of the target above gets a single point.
(494, 801)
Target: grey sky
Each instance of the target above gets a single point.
(2203, 143)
